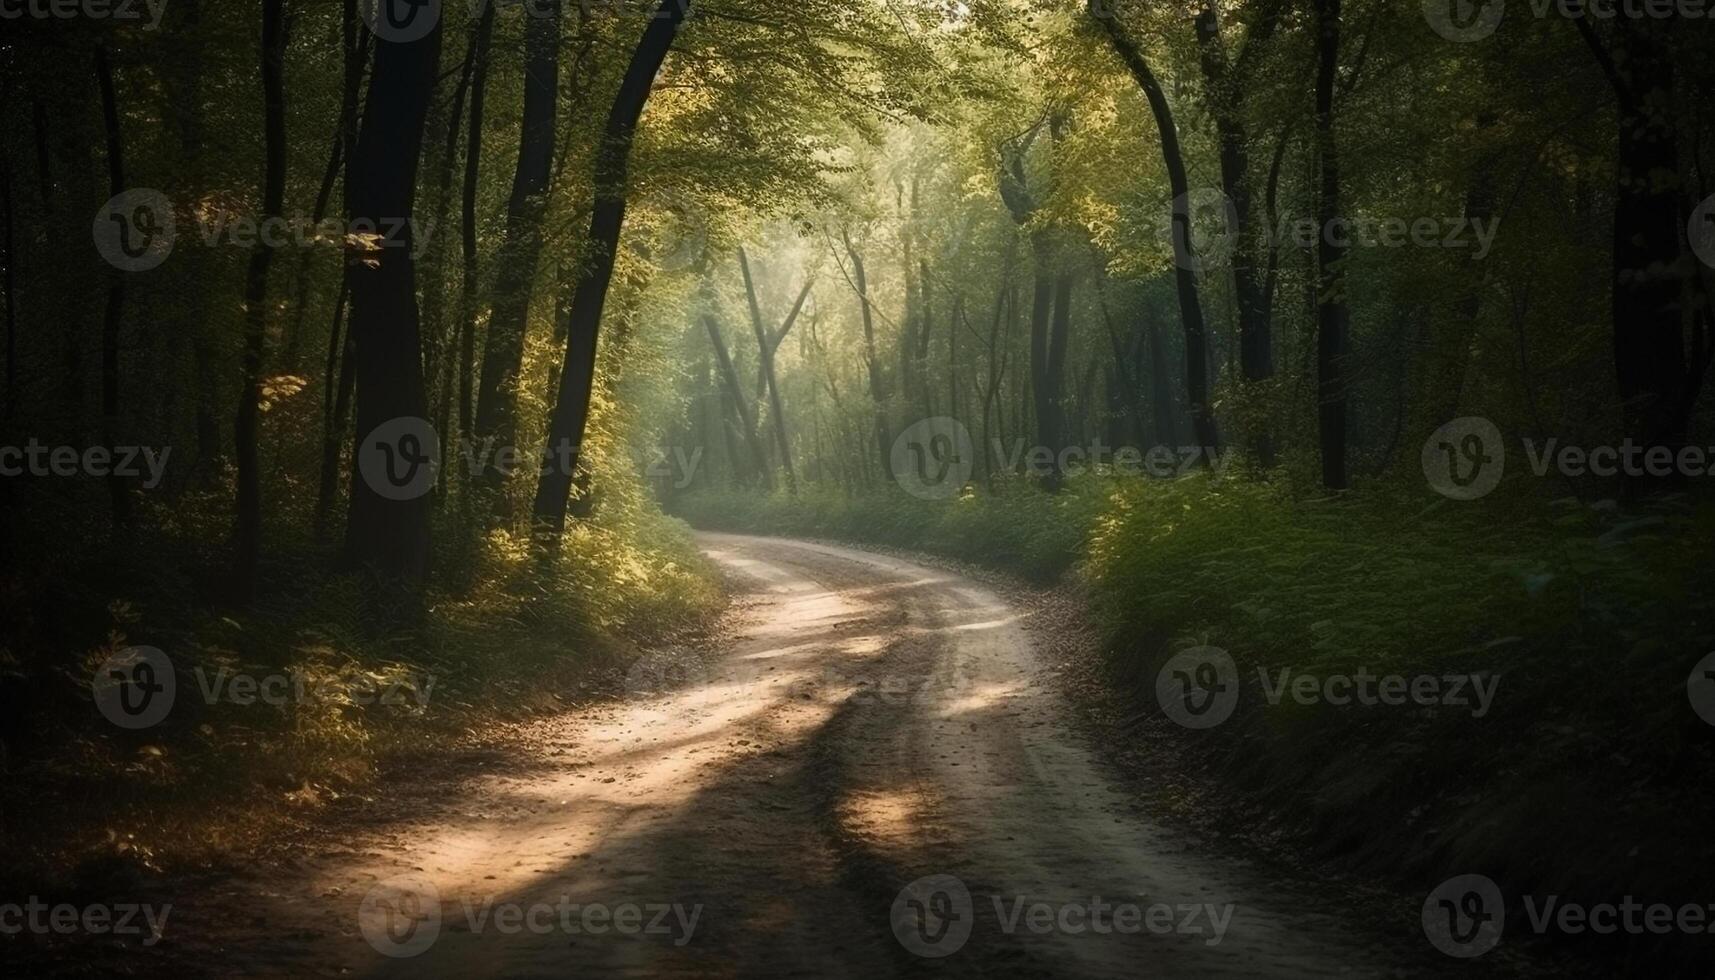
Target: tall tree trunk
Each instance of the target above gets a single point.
(436, 340)
(247, 532)
(118, 491)
(1256, 342)
(1656, 383)
(481, 43)
(336, 402)
(1160, 385)
(337, 157)
(612, 162)
(1332, 316)
(877, 383)
(1184, 260)
(8, 258)
(515, 271)
(184, 85)
(766, 346)
(387, 535)
(735, 391)
(336, 409)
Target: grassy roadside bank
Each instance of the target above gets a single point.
(283, 707)
(1585, 742)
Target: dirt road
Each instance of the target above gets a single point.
(875, 776)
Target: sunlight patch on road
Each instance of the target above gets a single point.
(983, 697)
(896, 815)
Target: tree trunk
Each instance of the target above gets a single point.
(1656, 383)
(766, 346)
(8, 258)
(336, 410)
(336, 402)
(577, 378)
(119, 492)
(1332, 316)
(247, 533)
(1184, 260)
(515, 267)
(1256, 343)
(482, 39)
(877, 383)
(387, 535)
(735, 391)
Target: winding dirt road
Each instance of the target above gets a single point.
(874, 777)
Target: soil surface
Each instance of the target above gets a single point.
(873, 770)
